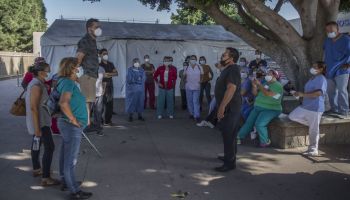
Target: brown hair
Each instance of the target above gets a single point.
(321, 65)
(39, 67)
(67, 66)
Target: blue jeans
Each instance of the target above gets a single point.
(71, 138)
(193, 102)
(338, 93)
(260, 118)
(168, 97)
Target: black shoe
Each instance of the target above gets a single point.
(222, 158)
(100, 133)
(191, 117)
(225, 168)
(114, 113)
(141, 118)
(80, 195)
(130, 119)
(198, 120)
(110, 124)
(64, 185)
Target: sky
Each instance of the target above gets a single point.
(120, 10)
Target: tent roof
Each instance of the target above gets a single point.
(67, 32)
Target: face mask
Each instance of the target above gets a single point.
(258, 56)
(167, 63)
(313, 71)
(193, 62)
(244, 75)
(332, 35)
(80, 72)
(105, 57)
(268, 78)
(202, 62)
(99, 60)
(98, 32)
(170, 63)
(48, 77)
(146, 60)
(242, 64)
(137, 65)
(185, 66)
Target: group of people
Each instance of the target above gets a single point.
(247, 97)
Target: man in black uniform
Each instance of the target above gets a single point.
(108, 81)
(227, 94)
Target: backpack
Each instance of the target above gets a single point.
(52, 103)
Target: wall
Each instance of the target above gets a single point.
(13, 62)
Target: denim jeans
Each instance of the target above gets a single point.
(338, 93)
(193, 102)
(168, 97)
(98, 111)
(49, 147)
(71, 138)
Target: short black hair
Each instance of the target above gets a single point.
(146, 56)
(243, 58)
(233, 53)
(185, 64)
(332, 23)
(90, 21)
(193, 56)
(203, 58)
(103, 50)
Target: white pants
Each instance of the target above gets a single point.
(312, 120)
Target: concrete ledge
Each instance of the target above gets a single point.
(285, 133)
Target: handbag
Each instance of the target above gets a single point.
(19, 106)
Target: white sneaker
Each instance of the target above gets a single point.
(311, 153)
(160, 117)
(202, 123)
(171, 117)
(253, 135)
(210, 125)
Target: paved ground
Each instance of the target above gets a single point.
(153, 159)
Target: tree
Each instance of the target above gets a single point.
(263, 28)
(18, 20)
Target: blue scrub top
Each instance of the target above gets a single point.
(316, 104)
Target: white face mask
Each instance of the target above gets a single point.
(80, 72)
(313, 71)
(332, 35)
(202, 62)
(244, 75)
(147, 60)
(258, 56)
(193, 62)
(48, 77)
(242, 64)
(98, 32)
(268, 78)
(137, 65)
(105, 57)
(185, 66)
(167, 63)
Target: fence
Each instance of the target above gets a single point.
(15, 63)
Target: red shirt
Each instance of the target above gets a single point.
(172, 76)
(29, 77)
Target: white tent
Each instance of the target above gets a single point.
(126, 41)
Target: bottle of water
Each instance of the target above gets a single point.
(36, 143)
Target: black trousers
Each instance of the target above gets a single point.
(212, 117)
(108, 105)
(205, 87)
(183, 99)
(229, 127)
(49, 147)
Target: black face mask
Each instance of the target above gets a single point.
(223, 62)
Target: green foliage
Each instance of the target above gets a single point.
(344, 5)
(196, 17)
(18, 20)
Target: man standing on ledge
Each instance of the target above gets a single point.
(227, 94)
(88, 58)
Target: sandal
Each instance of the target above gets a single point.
(49, 182)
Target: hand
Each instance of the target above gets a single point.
(221, 112)
(256, 82)
(75, 122)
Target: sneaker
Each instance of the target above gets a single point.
(210, 125)
(239, 141)
(100, 133)
(171, 117)
(311, 153)
(159, 117)
(141, 118)
(37, 172)
(202, 123)
(110, 124)
(264, 145)
(80, 195)
(45, 182)
(191, 117)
